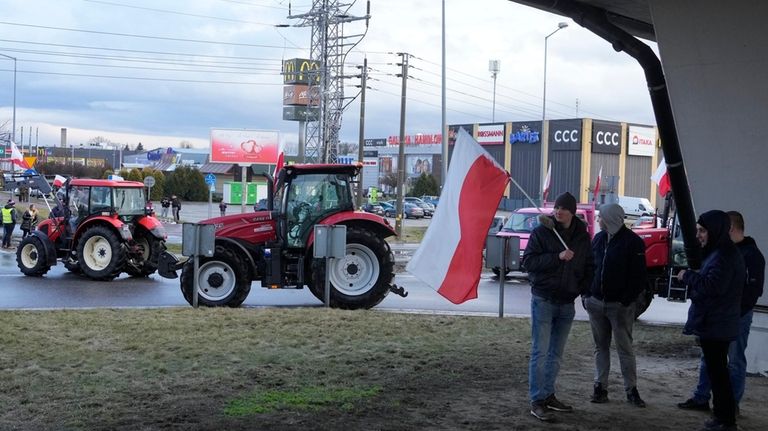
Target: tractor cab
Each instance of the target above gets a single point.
(310, 193)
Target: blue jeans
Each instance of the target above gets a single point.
(737, 365)
(550, 325)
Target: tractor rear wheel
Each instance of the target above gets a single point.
(100, 253)
(222, 281)
(31, 257)
(151, 247)
(362, 278)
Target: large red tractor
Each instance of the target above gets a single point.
(99, 228)
(275, 246)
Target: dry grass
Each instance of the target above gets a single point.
(282, 369)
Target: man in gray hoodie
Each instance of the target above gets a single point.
(619, 278)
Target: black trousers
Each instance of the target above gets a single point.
(716, 358)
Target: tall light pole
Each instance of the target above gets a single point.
(560, 26)
(13, 134)
(494, 66)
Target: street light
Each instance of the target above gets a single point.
(560, 26)
(13, 134)
(494, 66)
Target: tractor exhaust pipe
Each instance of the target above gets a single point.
(595, 20)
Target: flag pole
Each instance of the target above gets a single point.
(539, 209)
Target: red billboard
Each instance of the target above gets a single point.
(244, 146)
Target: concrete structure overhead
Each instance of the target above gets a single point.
(713, 57)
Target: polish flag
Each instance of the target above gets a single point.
(597, 185)
(17, 158)
(59, 181)
(450, 256)
(278, 166)
(661, 178)
(547, 183)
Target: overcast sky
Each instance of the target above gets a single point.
(163, 71)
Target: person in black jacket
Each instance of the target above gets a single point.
(713, 317)
(619, 278)
(753, 289)
(560, 268)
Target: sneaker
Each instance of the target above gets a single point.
(540, 412)
(553, 403)
(600, 395)
(633, 397)
(691, 404)
(716, 425)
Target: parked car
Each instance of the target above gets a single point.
(496, 224)
(429, 209)
(431, 199)
(412, 210)
(389, 209)
(373, 208)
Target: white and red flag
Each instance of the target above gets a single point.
(279, 165)
(59, 181)
(661, 178)
(450, 256)
(17, 159)
(547, 184)
(597, 185)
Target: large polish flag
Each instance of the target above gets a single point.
(450, 256)
(661, 178)
(17, 158)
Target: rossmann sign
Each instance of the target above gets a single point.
(490, 134)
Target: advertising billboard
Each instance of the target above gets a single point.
(244, 146)
(490, 134)
(606, 137)
(418, 164)
(642, 141)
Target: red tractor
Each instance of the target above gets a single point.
(99, 228)
(275, 246)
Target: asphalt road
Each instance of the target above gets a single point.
(61, 289)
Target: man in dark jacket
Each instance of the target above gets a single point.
(560, 268)
(715, 293)
(753, 289)
(619, 279)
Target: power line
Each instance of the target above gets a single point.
(138, 78)
(141, 36)
(273, 72)
(173, 12)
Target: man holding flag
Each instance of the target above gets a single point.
(560, 268)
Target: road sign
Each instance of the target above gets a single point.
(210, 179)
(149, 181)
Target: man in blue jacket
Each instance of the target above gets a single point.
(753, 289)
(715, 292)
(619, 278)
(560, 268)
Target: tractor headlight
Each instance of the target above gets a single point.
(125, 232)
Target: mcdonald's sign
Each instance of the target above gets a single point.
(301, 71)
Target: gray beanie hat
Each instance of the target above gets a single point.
(613, 217)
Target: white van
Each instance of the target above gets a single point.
(636, 207)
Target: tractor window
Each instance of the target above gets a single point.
(311, 198)
(129, 202)
(78, 201)
(101, 199)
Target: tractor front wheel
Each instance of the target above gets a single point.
(31, 257)
(150, 248)
(100, 253)
(222, 280)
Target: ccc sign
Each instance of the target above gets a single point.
(607, 138)
(566, 136)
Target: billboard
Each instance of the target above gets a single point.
(606, 137)
(642, 141)
(490, 134)
(301, 71)
(244, 146)
(418, 164)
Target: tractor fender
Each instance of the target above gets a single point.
(50, 249)
(241, 250)
(372, 222)
(113, 222)
(154, 226)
